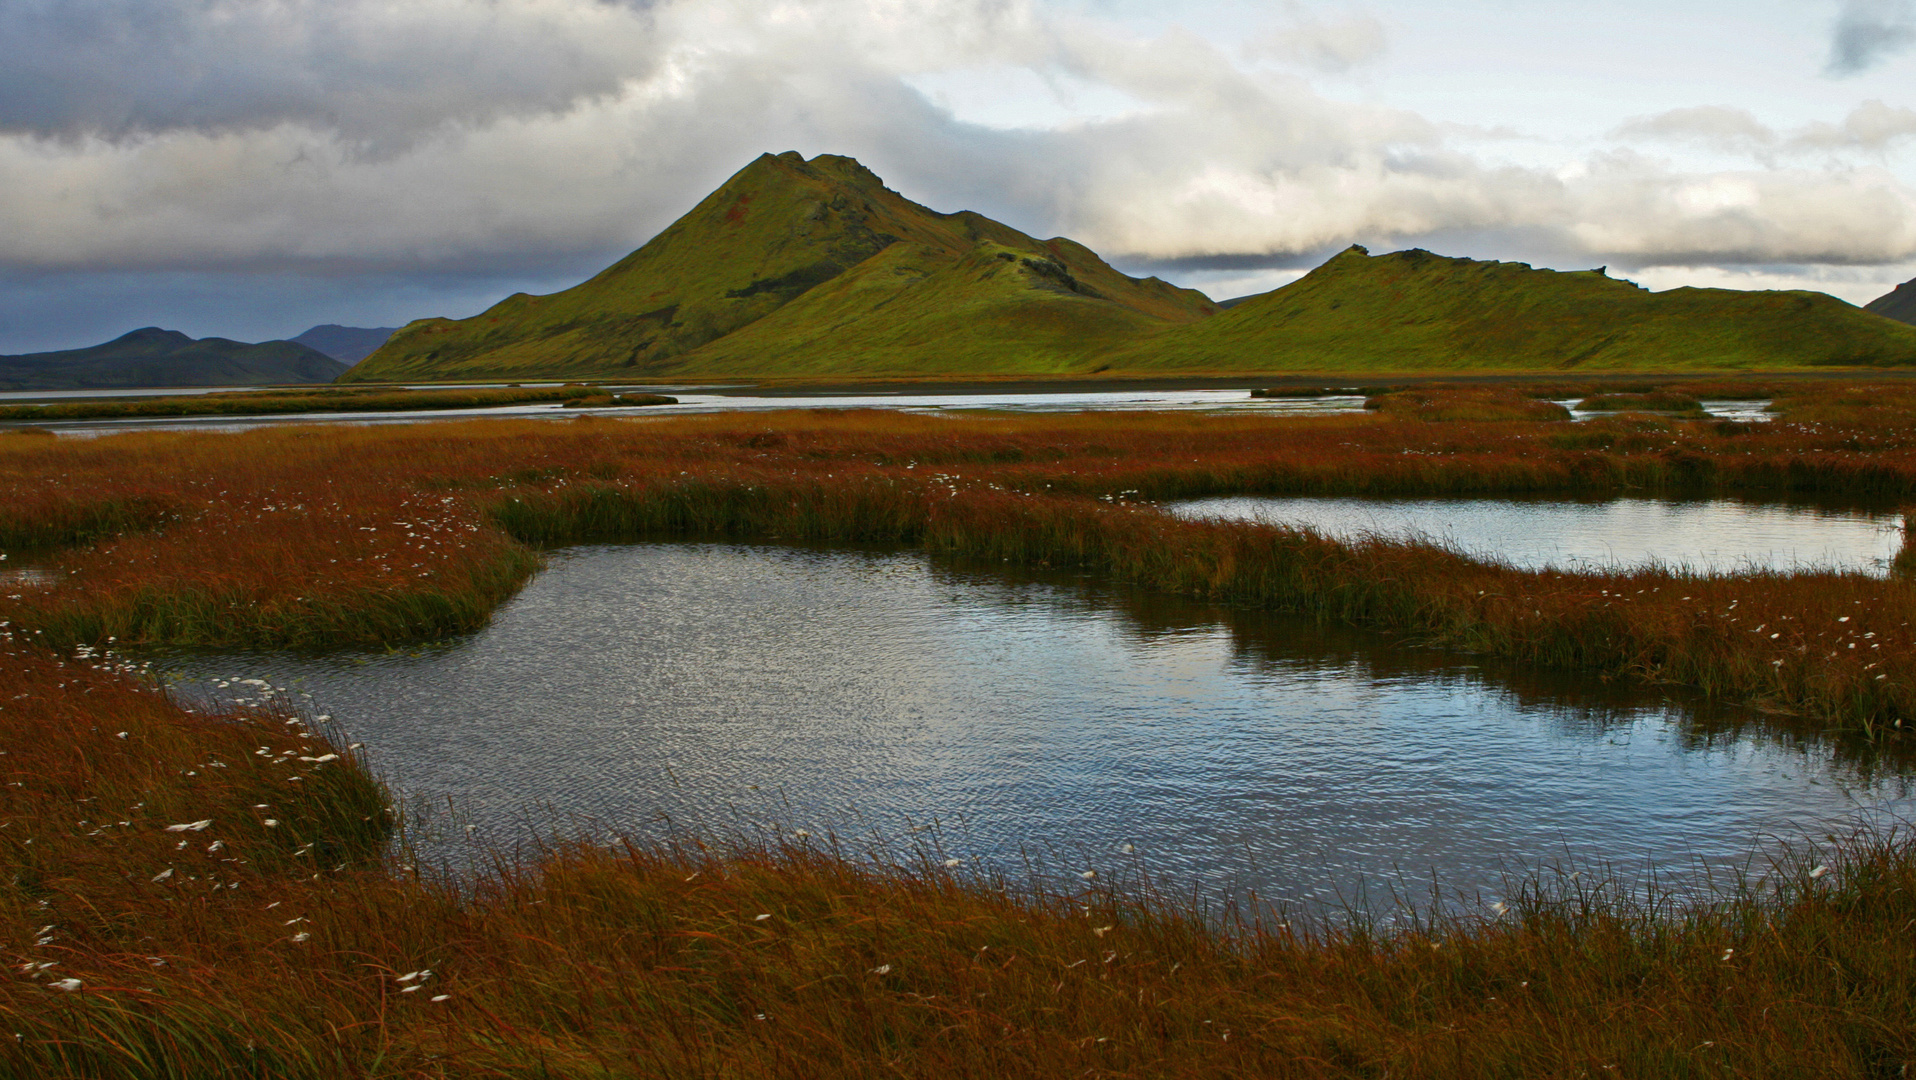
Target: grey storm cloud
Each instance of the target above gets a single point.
(371, 70)
(234, 135)
(1868, 32)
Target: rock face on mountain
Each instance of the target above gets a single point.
(807, 268)
(155, 357)
(1899, 303)
(1415, 311)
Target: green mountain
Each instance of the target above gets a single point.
(797, 267)
(156, 357)
(1415, 311)
(1898, 303)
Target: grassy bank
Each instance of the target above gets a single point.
(302, 955)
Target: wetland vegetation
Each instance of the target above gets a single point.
(187, 894)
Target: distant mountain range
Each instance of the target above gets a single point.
(346, 344)
(156, 357)
(1899, 303)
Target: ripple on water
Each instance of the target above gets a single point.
(851, 690)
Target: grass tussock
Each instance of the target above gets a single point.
(1470, 405)
(280, 938)
(1653, 401)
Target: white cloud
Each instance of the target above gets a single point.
(1332, 45)
(1872, 127)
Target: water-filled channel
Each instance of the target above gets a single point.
(1057, 718)
(1710, 536)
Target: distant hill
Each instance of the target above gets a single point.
(800, 267)
(156, 357)
(1415, 311)
(1899, 303)
(346, 344)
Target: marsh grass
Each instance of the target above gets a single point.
(297, 949)
(651, 960)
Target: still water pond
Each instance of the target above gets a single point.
(1712, 536)
(730, 686)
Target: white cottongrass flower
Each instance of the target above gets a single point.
(1500, 907)
(949, 863)
(1820, 871)
(271, 823)
(68, 985)
(409, 989)
(191, 826)
(412, 976)
(761, 918)
(321, 758)
(443, 997)
(302, 937)
(1126, 848)
(882, 969)
(1089, 875)
(164, 874)
(1727, 953)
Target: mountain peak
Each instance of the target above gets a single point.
(153, 335)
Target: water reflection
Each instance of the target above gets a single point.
(731, 685)
(1707, 536)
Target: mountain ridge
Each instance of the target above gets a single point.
(346, 344)
(151, 356)
(1898, 303)
(813, 269)
(771, 234)
(1418, 311)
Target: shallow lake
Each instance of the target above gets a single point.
(1049, 719)
(1713, 536)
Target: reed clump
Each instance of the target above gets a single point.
(1667, 401)
(1472, 405)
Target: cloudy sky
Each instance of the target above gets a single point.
(248, 168)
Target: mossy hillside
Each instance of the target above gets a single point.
(913, 311)
(1415, 311)
(772, 233)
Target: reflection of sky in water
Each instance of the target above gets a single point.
(727, 685)
(1708, 536)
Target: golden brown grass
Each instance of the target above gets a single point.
(654, 961)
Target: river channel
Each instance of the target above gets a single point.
(1056, 722)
